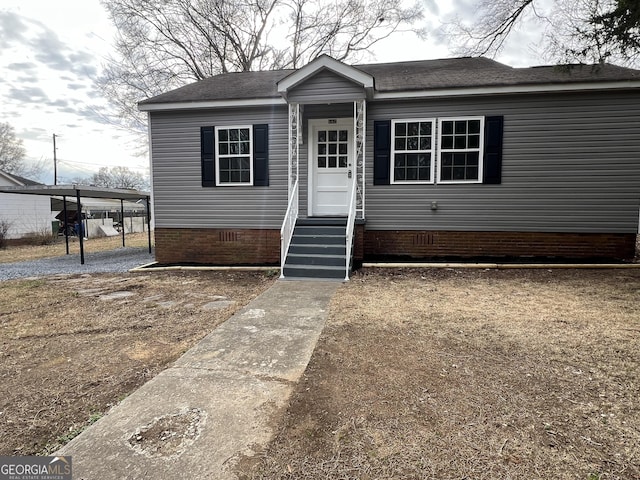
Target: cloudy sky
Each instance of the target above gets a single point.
(51, 53)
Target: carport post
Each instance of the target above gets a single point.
(66, 227)
(122, 219)
(80, 227)
(149, 223)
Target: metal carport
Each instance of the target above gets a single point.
(79, 191)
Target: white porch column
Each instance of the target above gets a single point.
(360, 129)
(294, 136)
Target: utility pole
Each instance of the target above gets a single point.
(55, 162)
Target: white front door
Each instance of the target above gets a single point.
(330, 166)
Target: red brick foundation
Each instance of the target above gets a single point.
(262, 247)
(438, 244)
(217, 246)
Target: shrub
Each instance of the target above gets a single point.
(44, 236)
(5, 225)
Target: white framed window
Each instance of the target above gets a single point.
(460, 149)
(413, 150)
(234, 155)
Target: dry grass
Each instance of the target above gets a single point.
(32, 252)
(469, 375)
(68, 351)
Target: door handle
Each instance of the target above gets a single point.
(349, 174)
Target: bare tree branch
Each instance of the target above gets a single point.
(575, 30)
(164, 44)
(12, 152)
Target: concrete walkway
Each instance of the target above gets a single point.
(224, 397)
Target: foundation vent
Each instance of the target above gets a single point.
(423, 239)
(227, 236)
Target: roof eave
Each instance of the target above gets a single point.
(10, 177)
(507, 89)
(236, 102)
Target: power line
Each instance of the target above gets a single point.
(103, 165)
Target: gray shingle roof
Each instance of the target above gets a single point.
(19, 179)
(467, 72)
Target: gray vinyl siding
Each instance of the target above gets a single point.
(182, 202)
(571, 163)
(325, 86)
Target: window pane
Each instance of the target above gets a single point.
(342, 162)
(332, 162)
(474, 126)
(458, 173)
(461, 127)
(322, 149)
(413, 128)
(224, 177)
(412, 174)
(424, 160)
(412, 143)
(460, 142)
(223, 135)
(474, 141)
(234, 135)
(235, 176)
(459, 159)
(322, 162)
(333, 135)
(244, 148)
(398, 161)
(343, 136)
(425, 128)
(333, 148)
(446, 174)
(223, 148)
(233, 148)
(447, 128)
(401, 129)
(244, 134)
(425, 143)
(322, 136)
(472, 173)
(246, 176)
(224, 164)
(412, 160)
(342, 149)
(234, 163)
(245, 163)
(473, 159)
(401, 143)
(447, 141)
(447, 159)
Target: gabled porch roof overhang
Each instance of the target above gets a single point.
(325, 62)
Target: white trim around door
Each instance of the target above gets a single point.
(330, 166)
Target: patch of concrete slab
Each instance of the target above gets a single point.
(239, 379)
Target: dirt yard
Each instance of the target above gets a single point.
(72, 346)
(445, 374)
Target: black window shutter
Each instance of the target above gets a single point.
(493, 127)
(261, 155)
(381, 152)
(207, 149)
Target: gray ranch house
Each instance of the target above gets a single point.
(456, 158)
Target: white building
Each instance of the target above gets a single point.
(25, 214)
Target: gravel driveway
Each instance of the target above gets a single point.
(120, 260)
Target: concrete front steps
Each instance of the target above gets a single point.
(317, 250)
